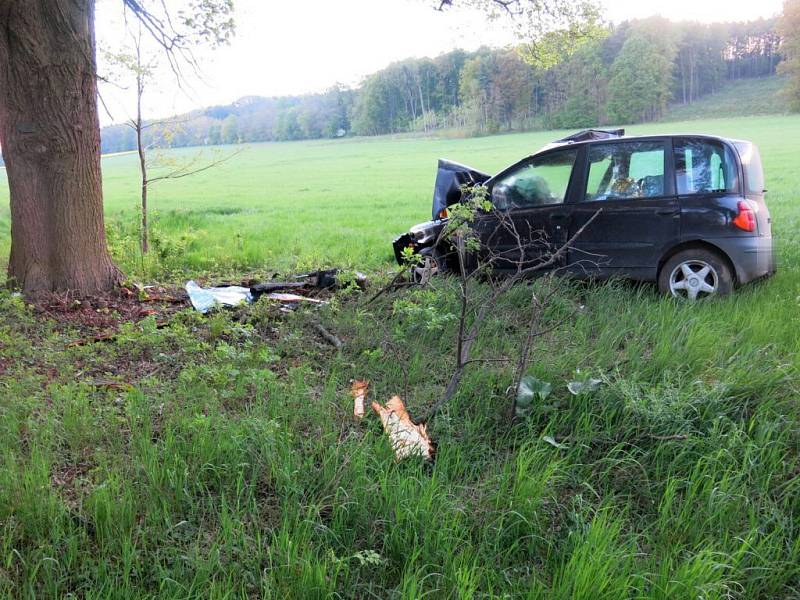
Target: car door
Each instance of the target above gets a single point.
(639, 218)
(529, 221)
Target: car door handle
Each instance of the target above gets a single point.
(559, 216)
(668, 212)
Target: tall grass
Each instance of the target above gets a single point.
(230, 466)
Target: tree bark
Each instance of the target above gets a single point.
(50, 138)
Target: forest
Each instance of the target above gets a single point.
(624, 74)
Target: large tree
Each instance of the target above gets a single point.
(50, 135)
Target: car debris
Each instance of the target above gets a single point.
(407, 438)
(326, 279)
(204, 299)
(359, 391)
(586, 386)
(289, 298)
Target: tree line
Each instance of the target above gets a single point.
(624, 74)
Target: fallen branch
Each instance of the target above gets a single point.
(103, 337)
(395, 282)
(328, 336)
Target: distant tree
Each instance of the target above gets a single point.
(548, 30)
(374, 112)
(641, 75)
(214, 135)
(288, 126)
(789, 27)
(586, 78)
(699, 63)
(229, 131)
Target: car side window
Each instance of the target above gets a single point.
(625, 170)
(538, 182)
(751, 162)
(704, 167)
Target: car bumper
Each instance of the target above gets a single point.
(752, 257)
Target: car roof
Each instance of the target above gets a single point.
(595, 136)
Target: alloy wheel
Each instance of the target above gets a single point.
(693, 279)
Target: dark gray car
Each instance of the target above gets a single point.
(686, 211)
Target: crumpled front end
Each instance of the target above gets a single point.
(422, 235)
(450, 178)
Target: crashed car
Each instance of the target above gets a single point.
(685, 211)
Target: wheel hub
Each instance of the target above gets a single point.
(693, 279)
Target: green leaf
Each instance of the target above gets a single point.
(530, 389)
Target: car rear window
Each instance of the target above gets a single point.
(751, 161)
(704, 167)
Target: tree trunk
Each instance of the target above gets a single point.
(145, 237)
(50, 137)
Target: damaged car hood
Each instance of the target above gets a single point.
(450, 176)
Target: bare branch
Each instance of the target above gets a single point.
(183, 172)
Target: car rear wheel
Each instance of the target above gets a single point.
(696, 273)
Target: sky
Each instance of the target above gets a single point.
(285, 47)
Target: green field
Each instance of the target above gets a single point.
(288, 206)
(227, 463)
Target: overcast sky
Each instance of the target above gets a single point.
(293, 47)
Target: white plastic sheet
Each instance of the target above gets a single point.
(204, 299)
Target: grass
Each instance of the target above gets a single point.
(229, 465)
(746, 97)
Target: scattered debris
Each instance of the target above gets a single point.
(583, 387)
(550, 440)
(290, 298)
(204, 299)
(260, 289)
(328, 336)
(359, 391)
(326, 279)
(407, 438)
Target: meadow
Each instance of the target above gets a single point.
(216, 457)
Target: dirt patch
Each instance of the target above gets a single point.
(99, 317)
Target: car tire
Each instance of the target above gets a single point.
(431, 266)
(696, 273)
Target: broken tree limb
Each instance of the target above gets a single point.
(328, 336)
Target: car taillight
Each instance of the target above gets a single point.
(746, 219)
(443, 214)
